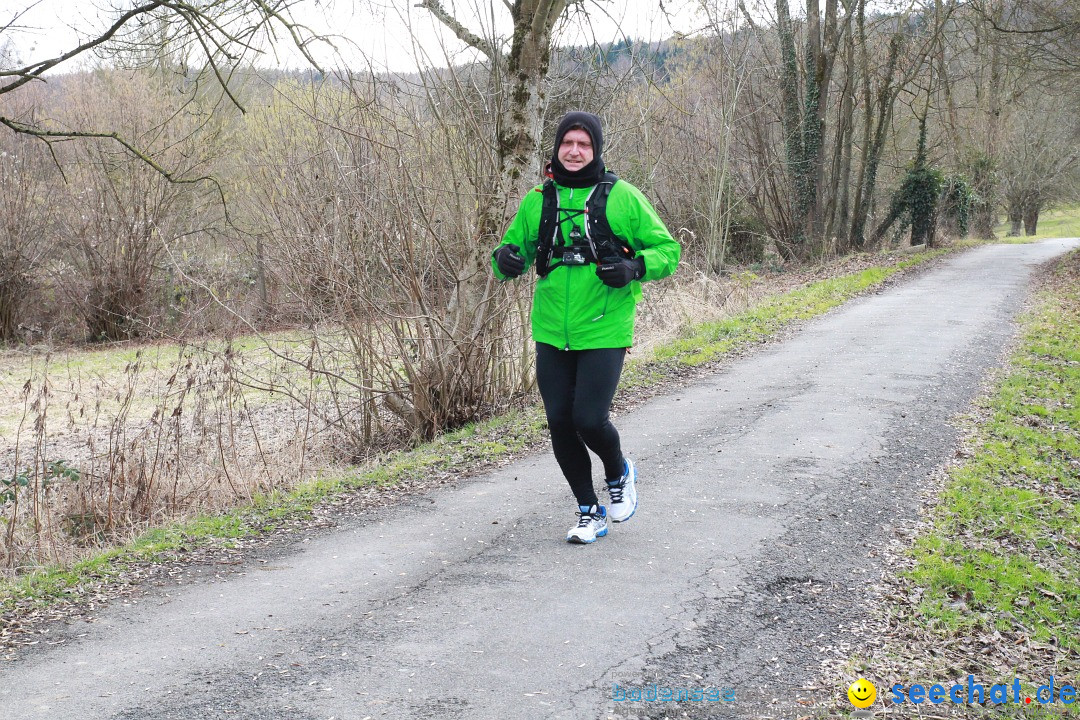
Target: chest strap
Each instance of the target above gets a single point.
(600, 241)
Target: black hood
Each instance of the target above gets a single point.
(592, 173)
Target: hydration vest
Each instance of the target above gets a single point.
(599, 245)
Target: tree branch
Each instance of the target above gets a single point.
(1035, 31)
(463, 33)
(547, 12)
(293, 28)
(210, 58)
(36, 70)
(50, 136)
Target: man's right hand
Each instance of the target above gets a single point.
(509, 262)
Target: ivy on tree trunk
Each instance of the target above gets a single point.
(804, 121)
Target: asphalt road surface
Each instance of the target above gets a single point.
(764, 490)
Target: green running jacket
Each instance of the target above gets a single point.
(572, 309)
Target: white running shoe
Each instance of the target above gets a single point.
(623, 494)
(592, 523)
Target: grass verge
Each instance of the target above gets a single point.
(992, 586)
(473, 446)
(710, 341)
(465, 450)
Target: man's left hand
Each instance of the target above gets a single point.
(619, 273)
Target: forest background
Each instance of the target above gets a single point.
(290, 268)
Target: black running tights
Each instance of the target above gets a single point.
(577, 387)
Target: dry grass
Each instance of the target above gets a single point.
(98, 446)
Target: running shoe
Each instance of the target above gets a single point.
(592, 524)
(623, 492)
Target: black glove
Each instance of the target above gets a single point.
(508, 261)
(619, 273)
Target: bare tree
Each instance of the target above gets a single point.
(1039, 158)
(878, 105)
(502, 114)
(1033, 49)
(520, 71)
(121, 216)
(27, 225)
(691, 122)
(366, 205)
(911, 43)
(1044, 34)
(218, 36)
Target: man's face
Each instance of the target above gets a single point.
(575, 151)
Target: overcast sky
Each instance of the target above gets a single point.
(389, 34)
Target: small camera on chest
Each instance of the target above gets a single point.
(573, 255)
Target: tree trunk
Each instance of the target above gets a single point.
(517, 133)
(984, 221)
(530, 58)
(265, 312)
(1031, 213)
(517, 127)
(815, 99)
(457, 372)
(804, 128)
(874, 134)
(952, 126)
(517, 138)
(1016, 214)
(839, 208)
(789, 87)
(985, 216)
(1031, 222)
(13, 288)
(922, 229)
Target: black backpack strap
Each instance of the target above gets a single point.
(608, 246)
(549, 225)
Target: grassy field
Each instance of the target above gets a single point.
(131, 375)
(1064, 222)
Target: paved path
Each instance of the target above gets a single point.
(764, 490)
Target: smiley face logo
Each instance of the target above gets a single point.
(862, 693)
